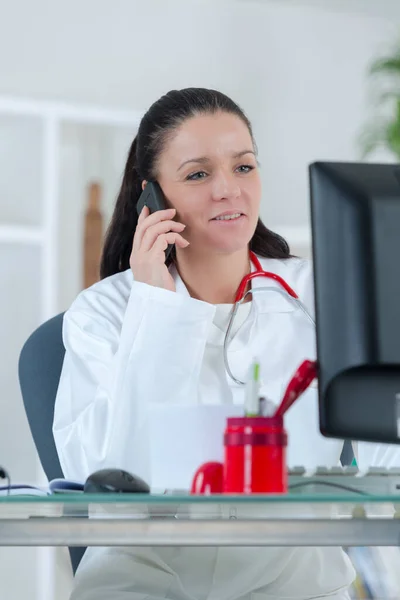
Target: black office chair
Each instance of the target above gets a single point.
(39, 370)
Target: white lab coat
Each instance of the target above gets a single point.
(130, 346)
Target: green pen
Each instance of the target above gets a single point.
(252, 391)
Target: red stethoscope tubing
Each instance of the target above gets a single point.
(259, 272)
(307, 371)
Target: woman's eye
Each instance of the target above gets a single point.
(245, 168)
(198, 175)
(202, 174)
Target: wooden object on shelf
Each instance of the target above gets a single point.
(93, 236)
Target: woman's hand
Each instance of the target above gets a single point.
(152, 236)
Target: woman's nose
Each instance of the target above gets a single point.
(225, 187)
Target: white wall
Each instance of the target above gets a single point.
(298, 72)
(389, 9)
(309, 100)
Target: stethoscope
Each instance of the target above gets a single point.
(241, 294)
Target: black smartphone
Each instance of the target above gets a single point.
(153, 197)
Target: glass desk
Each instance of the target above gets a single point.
(167, 520)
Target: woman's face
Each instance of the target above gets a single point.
(208, 172)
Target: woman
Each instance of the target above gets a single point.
(151, 332)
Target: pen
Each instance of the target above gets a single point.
(300, 381)
(252, 391)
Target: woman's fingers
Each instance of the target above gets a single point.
(146, 220)
(152, 233)
(163, 241)
(145, 212)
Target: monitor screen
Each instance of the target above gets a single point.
(355, 219)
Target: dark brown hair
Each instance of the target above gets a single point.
(161, 120)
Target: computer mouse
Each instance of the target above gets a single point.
(115, 481)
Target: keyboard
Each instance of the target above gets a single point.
(378, 481)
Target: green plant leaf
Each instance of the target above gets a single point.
(387, 96)
(393, 137)
(384, 131)
(372, 137)
(386, 66)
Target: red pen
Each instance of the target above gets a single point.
(300, 381)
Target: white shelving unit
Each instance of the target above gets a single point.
(49, 152)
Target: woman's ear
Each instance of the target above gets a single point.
(144, 183)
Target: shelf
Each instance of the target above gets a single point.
(69, 112)
(21, 234)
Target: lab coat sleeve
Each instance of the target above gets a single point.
(121, 356)
(367, 454)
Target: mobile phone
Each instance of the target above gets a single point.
(153, 197)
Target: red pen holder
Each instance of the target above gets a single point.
(254, 459)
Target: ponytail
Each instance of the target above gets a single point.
(268, 244)
(119, 237)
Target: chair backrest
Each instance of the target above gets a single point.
(39, 371)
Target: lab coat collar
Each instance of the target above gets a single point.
(264, 301)
(270, 300)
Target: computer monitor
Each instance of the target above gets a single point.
(355, 218)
